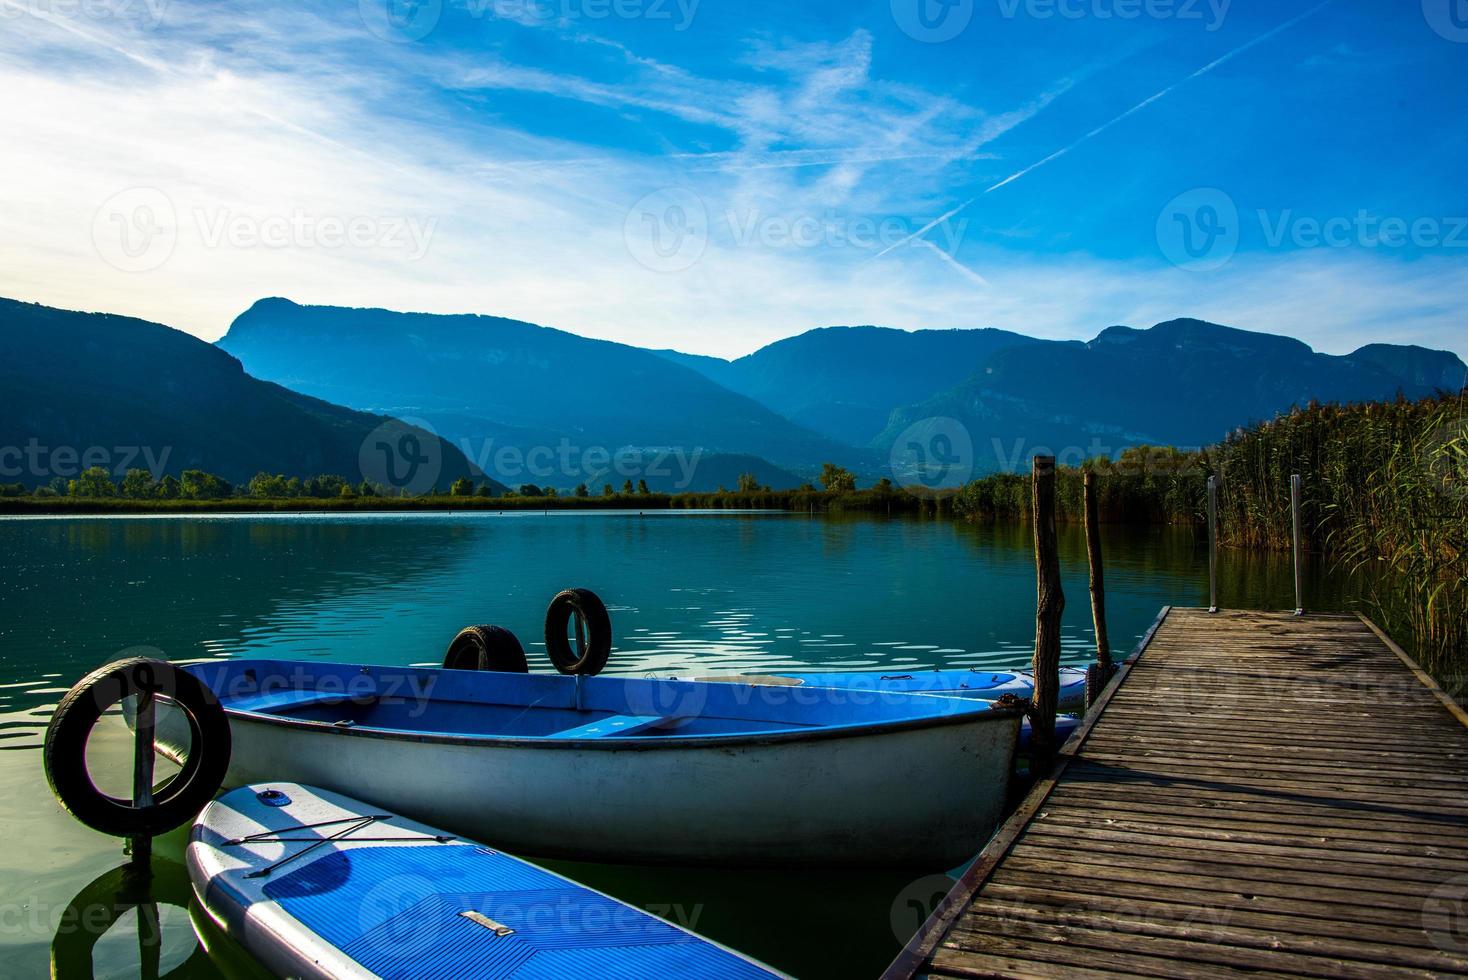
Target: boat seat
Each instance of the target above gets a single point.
(278, 701)
(615, 725)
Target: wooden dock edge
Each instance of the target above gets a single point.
(925, 941)
(1454, 708)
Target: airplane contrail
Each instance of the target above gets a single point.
(1229, 56)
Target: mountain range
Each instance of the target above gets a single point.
(84, 389)
(533, 404)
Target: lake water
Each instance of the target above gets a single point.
(687, 592)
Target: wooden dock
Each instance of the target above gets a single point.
(1256, 794)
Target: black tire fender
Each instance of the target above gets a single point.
(182, 797)
(486, 648)
(593, 653)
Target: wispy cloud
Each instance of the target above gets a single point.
(1097, 131)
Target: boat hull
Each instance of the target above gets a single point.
(921, 796)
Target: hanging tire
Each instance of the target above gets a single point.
(593, 651)
(486, 648)
(177, 802)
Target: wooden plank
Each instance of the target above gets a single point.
(1181, 821)
(1452, 706)
(1217, 927)
(1103, 871)
(1254, 794)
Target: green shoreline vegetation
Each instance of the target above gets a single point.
(1385, 499)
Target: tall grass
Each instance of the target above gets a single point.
(1384, 497)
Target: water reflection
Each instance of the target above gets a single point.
(141, 920)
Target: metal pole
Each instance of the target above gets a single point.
(1295, 518)
(1213, 544)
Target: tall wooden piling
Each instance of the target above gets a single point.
(1049, 604)
(1103, 668)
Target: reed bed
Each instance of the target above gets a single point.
(1384, 497)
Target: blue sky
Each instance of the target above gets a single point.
(713, 175)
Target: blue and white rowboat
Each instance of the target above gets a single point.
(631, 769)
(318, 885)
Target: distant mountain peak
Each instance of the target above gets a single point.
(1201, 334)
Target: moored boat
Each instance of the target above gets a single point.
(631, 769)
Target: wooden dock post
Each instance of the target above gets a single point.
(1295, 538)
(1101, 671)
(144, 725)
(1213, 544)
(1049, 604)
